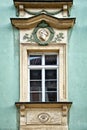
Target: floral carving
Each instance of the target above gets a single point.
(28, 38)
(59, 37)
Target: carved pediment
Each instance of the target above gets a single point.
(27, 23)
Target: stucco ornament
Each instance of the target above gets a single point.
(43, 117)
(43, 33)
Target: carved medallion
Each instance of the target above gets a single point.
(43, 33)
(43, 117)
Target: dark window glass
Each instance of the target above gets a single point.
(35, 74)
(51, 96)
(50, 59)
(50, 74)
(35, 59)
(35, 97)
(51, 86)
(35, 86)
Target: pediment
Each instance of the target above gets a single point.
(27, 23)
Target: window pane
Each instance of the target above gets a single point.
(50, 59)
(51, 74)
(50, 86)
(35, 74)
(35, 59)
(51, 96)
(35, 86)
(36, 97)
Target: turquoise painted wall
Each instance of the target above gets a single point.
(78, 67)
(9, 67)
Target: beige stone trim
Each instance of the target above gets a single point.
(44, 116)
(24, 50)
(43, 4)
(58, 23)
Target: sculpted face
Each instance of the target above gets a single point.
(43, 34)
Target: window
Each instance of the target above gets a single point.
(42, 73)
(43, 77)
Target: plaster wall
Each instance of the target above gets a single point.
(9, 67)
(77, 50)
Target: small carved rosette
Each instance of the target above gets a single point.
(43, 117)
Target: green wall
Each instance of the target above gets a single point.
(78, 67)
(9, 67)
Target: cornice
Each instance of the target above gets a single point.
(43, 104)
(43, 3)
(27, 23)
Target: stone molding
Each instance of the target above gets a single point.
(58, 23)
(34, 115)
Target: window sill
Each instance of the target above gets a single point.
(43, 104)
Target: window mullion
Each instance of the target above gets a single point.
(43, 85)
(43, 79)
(57, 78)
(57, 85)
(29, 85)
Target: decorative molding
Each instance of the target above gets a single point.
(43, 117)
(30, 38)
(58, 23)
(59, 37)
(25, 50)
(43, 11)
(21, 10)
(48, 116)
(43, 33)
(43, 3)
(22, 111)
(43, 105)
(64, 110)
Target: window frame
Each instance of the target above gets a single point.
(44, 67)
(29, 48)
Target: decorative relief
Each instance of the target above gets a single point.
(43, 117)
(59, 37)
(28, 38)
(43, 11)
(43, 35)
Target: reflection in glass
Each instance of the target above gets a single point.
(35, 59)
(50, 59)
